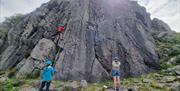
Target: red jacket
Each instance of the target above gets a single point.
(61, 29)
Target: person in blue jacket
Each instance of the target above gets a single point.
(47, 75)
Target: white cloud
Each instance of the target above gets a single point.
(11, 7)
(166, 10)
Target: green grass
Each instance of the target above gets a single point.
(168, 48)
(10, 85)
(169, 45)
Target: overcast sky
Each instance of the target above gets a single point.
(166, 10)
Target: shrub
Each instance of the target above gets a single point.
(8, 86)
(2, 72)
(2, 34)
(33, 75)
(13, 20)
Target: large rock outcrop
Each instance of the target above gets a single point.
(96, 32)
(44, 48)
(161, 29)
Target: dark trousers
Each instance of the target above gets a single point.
(43, 84)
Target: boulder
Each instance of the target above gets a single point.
(178, 77)
(3, 79)
(27, 68)
(44, 47)
(83, 83)
(147, 80)
(161, 28)
(120, 89)
(168, 79)
(177, 72)
(42, 50)
(28, 88)
(74, 84)
(36, 83)
(159, 24)
(175, 86)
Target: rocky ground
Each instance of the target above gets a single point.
(151, 82)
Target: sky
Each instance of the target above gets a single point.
(166, 10)
(11, 7)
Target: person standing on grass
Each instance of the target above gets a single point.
(47, 75)
(116, 73)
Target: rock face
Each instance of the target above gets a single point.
(160, 28)
(1, 42)
(44, 48)
(96, 31)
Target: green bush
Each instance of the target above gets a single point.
(9, 23)
(169, 51)
(174, 51)
(169, 46)
(2, 72)
(33, 75)
(12, 72)
(2, 34)
(165, 65)
(13, 20)
(177, 60)
(9, 85)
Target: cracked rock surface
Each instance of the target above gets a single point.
(96, 31)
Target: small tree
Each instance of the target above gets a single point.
(13, 20)
(9, 23)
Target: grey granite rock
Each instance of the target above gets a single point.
(96, 31)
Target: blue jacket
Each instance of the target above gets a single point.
(48, 73)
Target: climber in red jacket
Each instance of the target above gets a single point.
(61, 30)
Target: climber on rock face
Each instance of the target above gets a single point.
(116, 72)
(47, 75)
(60, 30)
